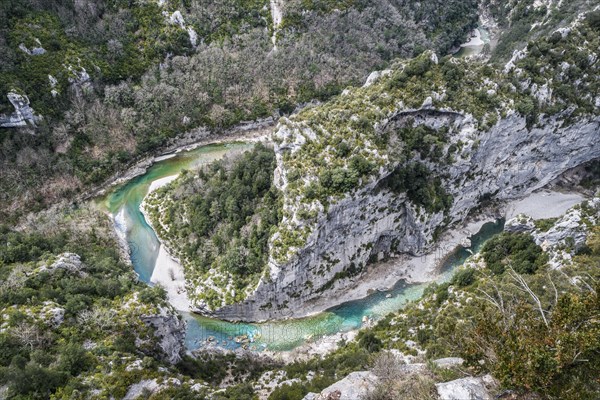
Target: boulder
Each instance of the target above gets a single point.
(449, 362)
(471, 388)
(354, 386)
(23, 115)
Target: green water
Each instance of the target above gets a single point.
(124, 203)
(474, 50)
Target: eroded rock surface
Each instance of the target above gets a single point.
(470, 388)
(170, 329)
(506, 162)
(354, 386)
(23, 115)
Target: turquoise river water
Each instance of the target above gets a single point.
(124, 203)
(473, 50)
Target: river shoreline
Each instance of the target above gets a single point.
(169, 272)
(413, 269)
(245, 132)
(540, 204)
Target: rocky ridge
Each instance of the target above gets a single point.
(381, 171)
(341, 165)
(509, 162)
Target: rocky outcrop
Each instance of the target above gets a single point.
(149, 386)
(507, 161)
(470, 388)
(23, 116)
(572, 227)
(449, 362)
(142, 387)
(170, 331)
(356, 385)
(566, 236)
(70, 262)
(37, 50)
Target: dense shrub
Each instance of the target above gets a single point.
(420, 186)
(517, 251)
(464, 277)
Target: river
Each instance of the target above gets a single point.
(480, 37)
(124, 202)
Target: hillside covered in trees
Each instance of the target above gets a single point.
(116, 80)
(113, 83)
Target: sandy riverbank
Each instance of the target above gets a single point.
(168, 271)
(475, 40)
(543, 204)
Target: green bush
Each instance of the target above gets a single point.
(517, 251)
(420, 186)
(368, 341)
(464, 277)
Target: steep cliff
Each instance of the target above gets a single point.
(510, 161)
(381, 170)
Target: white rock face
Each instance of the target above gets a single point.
(467, 388)
(170, 330)
(23, 115)
(449, 362)
(67, 261)
(520, 224)
(571, 225)
(52, 314)
(145, 386)
(34, 51)
(375, 75)
(177, 19)
(354, 386)
(506, 162)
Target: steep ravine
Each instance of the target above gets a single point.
(505, 162)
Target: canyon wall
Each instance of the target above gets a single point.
(505, 162)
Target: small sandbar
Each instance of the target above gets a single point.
(161, 182)
(475, 40)
(544, 204)
(168, 271)
(169, 274)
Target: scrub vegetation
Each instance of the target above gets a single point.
(536, 331)
(117, 81)
(148, 82)
(218, 221)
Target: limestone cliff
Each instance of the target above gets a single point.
(509, 162)
(381, 170)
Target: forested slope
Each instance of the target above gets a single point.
(115, 80)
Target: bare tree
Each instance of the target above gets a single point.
(522, 285)
(30, 335)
